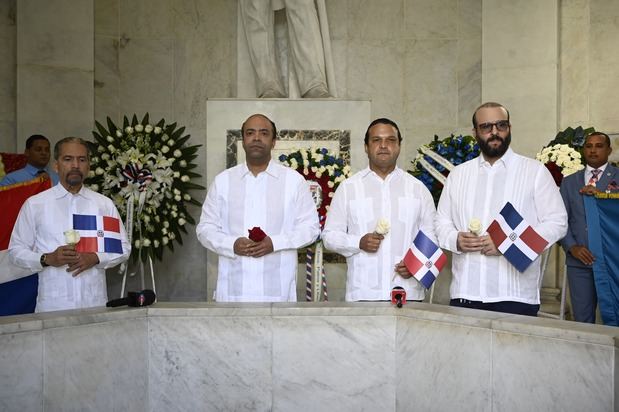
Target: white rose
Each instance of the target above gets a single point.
(164, 240)
(71, 237)
(111, 149)
(183, 163)
(330, 184)
(146, 242)
(176, 174)
(148, 128)
(137, 243)
(164, 231)
(475, 226)
(166, 224)
(172, 236)
(99, 171)
(171, 142)
(382, 226)
(139, 128)
(178, 153)
(146, 218)
(129, 130)
(177, 198)
(157, 130)
(187, 197)
(119, 133)
(176, 191)
(156, 243)
(91, 173)
(184, 178)
(157, 218)
(181, 221)
(105, 156)
(94, 188)
(110, 139)
(165, 149)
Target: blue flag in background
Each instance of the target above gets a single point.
(603, 231)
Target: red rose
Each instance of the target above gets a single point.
(256, 234)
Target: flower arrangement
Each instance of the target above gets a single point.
(146, 170)
(561, 160)
(436, 159)
(563, 155)
(321, 166)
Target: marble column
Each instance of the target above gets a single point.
(55, 68)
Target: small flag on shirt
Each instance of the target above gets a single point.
(515, 238)
(424, 260)
(98, 233)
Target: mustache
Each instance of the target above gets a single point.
(493, 138)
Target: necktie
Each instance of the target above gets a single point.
(594, 177)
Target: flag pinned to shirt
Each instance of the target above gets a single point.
(515, 238)
(98, 233)
(424, 260)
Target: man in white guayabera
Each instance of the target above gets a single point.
(374, 218)
(255, 217)
(306, 46)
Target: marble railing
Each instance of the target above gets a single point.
(304, 357)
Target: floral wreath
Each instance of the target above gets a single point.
(436, 159)
(146, 171)
(563, 155)
(320, 166)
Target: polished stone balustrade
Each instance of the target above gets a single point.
(304, 357)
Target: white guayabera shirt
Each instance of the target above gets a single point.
(359, 203)
(478, 189)
(278, 201)
(40, 228)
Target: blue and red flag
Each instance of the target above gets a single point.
(98, 233)
(424, 260)
(515, 238)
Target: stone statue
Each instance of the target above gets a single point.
(307, 48)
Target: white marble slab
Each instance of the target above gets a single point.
(21, 372)
(210, 363)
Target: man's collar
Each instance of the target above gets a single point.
(506, 159)
(588, 168)
(367, 171)
(270, 170)
(60, 191)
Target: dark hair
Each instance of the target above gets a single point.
(606, 138)
(71, 140)
(485, 105)
(34, 138)
(382, 120)
(263, 116)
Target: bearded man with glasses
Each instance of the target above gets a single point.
(479, 189)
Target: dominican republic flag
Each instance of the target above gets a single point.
(424, 260)
(515, 238)
(98, 233)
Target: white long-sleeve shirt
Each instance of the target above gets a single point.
(358, 204)
(278, 201)
(478, 189)
(40, 228)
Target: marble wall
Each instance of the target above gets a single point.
(8, 76)
(304, 357)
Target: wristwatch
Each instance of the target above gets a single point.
(42, 260)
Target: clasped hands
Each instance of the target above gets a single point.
(247, 247)
(77, 262)
(470, 242)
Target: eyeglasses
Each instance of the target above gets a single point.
(501, 126)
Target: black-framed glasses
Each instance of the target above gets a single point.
(501, 126)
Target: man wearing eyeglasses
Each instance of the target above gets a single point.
(482, 277)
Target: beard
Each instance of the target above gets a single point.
(74, 178)
(494, 152)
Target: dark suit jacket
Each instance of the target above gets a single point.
(576, 220)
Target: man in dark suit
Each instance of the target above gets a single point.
(597, 176)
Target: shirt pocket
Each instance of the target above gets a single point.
(408, 210)
(361, 216)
